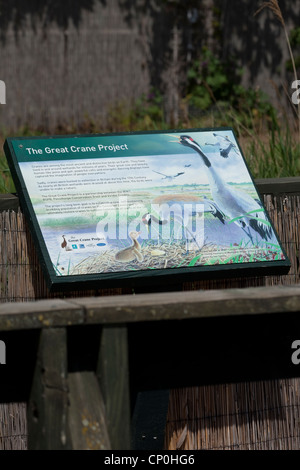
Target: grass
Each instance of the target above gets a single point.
(263, 252)
(279, 156)
(6, 182)
(263, 221)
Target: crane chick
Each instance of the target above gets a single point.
(132, 252)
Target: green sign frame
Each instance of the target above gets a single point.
(143, 208)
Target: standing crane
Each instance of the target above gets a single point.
(237, 205)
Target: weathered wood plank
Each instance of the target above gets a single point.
(150, 307)
(87, 413)
(191, 304)
(9, 202)
(112, 372)
(275, 186)
(39, 314)
(48, 403)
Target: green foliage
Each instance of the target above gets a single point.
(295, 43)
(145, 114)
(295, 37)
(211, 83)
(148, 109)
(207, 81)
(6, 183)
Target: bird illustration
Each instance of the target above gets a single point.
(131, 252)
(187, 166)
(65, 245)
(169, 177)
(225, 145)
(181, 207)
(237, 205)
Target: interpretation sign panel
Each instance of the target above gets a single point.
(142, 205)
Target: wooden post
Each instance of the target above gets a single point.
(87, 413)
(112, 372)
(48, 403)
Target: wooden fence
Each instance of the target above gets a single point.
(206, 366)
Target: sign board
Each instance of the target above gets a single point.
(142, 207)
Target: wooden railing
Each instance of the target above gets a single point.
(52, 313)
(90, 408)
